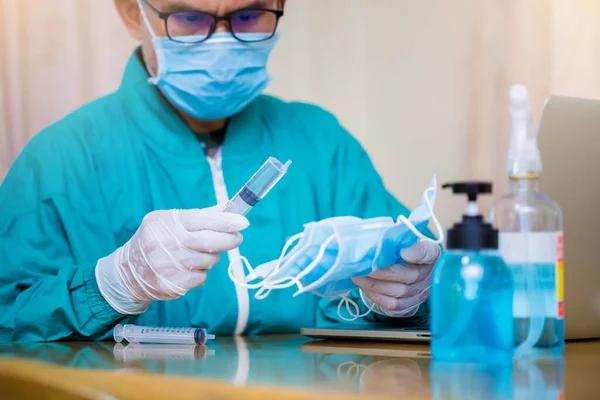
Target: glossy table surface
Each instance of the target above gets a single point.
(297, 367)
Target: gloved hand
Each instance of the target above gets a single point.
(399, 290)
(169, 255)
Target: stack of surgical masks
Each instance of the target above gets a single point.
(325, 257)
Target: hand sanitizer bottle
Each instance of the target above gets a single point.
(472, 291)
(531, 240)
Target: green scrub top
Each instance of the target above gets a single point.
(80, 189)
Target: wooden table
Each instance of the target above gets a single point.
(292, 367)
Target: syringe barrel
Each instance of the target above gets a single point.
(148, 334)
(266, 177)
(257, 187)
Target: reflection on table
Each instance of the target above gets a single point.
(390, 371)
(294, 362)
(160, 352)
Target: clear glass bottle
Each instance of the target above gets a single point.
(531, 239)
(531, 225)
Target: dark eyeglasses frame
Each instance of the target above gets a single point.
(227, 18)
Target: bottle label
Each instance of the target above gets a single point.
(560, 276)
(542, 251)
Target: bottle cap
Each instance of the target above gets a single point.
(472, 232)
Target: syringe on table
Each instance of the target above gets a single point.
(257, 187)
(149, 334)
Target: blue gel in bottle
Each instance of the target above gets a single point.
(472, 291)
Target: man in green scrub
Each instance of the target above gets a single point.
(109, 216)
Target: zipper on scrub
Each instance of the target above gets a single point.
(243, 298)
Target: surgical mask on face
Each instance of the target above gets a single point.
(329, 253)
(214, 79)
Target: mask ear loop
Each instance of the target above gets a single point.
(154, 77)
(288, 244)
(252, 272)
(246, 264)
(283, 253)
(356, 315)
(295, 280)
(145, 18)
(287, 281)
(436, 222)
(265, 286)
(312, 265)
(353, 368)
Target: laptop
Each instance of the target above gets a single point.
(382, 332)
(569, 141)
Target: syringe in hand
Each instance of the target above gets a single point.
(150, 334)
(257, 187)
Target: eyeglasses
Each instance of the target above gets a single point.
(198, 26)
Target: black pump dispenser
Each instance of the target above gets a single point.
(472, 233)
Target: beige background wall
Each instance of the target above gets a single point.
(422, 84)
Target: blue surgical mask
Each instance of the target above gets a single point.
(331, 252)
(214, 79)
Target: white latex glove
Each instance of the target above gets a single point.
(399, 290)
(169, 255)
